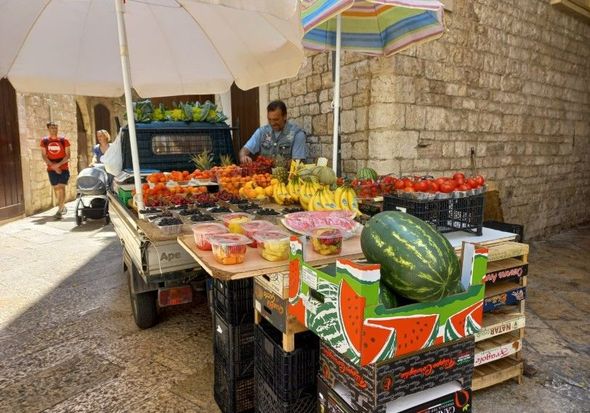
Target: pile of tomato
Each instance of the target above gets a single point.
(458, 182)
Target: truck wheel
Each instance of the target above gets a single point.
(143, 305)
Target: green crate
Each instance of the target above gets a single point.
(124, 195)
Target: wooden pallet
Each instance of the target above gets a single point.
(495, 324)
(508, 249)
(292, 327)
(498, 347)
(496, 372)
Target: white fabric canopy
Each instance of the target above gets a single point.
(175, 47)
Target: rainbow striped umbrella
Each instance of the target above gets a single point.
(372, 27)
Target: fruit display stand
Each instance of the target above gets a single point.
(255, 265)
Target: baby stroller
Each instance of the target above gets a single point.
(92, 198)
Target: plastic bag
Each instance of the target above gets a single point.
(113, 157)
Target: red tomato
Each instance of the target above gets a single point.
(471, 183)
(458, 180)
(446, 187)
(399, 184)
(458, 175)
(421, 186)
(433, 186)
(479, 179)
(409, 189)
(408, 182)
(462, 187)
(440, 181)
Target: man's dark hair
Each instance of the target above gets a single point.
(277, 104)
(51, 123)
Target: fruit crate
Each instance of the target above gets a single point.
(341, 304)
(233, 395)
(446, 215)
(233, 346)
(288, 373)
(267, 401)
(233, 300)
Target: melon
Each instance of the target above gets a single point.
(366, 173)
(417, 262)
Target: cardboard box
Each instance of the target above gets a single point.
(277, 282)
(512, 297)
(340, 303)
(272, 307)
(377, 384)
(449, 397)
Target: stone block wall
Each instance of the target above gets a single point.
(33, 114)
(509, 82)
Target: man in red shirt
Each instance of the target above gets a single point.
(56, 154)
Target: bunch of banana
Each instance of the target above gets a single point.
(306, 191)
(280, 194)
(346, 199)
(294, 188)
(323, 200)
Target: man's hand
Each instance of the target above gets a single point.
(56, 168)
(245, 159)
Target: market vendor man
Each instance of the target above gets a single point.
(279, 137)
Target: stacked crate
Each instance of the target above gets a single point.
(416, 357)
(233, 345)
(286, 355)
(499, 342)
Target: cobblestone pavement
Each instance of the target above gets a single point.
(68, 342)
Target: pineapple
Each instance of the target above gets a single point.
(203, 161)
(226, 160)
(280, 173)
(280, 161)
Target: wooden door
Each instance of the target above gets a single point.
(102, 119)
(11, 181)
(245, 114)
(83, 160)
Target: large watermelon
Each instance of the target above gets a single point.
(366, 173)
(417, 262)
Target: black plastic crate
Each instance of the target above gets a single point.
(234, 346)
(506, 227)
(267, 401)
(286, 372)
(234, 300)
(446, 215)
(233, 395)
(170, 145)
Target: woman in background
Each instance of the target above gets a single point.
(104, 139)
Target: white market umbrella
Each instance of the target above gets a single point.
(371, 27)
(158, 47)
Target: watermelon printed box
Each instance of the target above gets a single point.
(330, 401)
(340, 303)
(373, 386)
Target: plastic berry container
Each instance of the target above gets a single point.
(250, 228)
(229, 249)
(326, 240)
(202, 231)
(235, 220)
(273, 245)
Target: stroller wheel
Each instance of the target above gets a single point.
(78, 213)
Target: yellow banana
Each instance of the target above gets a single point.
(339, 196)
(353, 202)
(329, 201)
(275, 194)
(316, 201)
(293, 187)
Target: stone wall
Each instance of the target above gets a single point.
(509, 79)
(33, 114)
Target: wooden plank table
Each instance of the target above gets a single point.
(254, 264)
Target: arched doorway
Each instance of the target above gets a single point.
(82, 140)
(102, 118)
(11, 179)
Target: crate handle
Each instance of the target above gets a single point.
(266, 277)
(316, 295)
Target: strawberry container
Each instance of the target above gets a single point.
(250, 228)
(326, 240)
(229, 249)
(202, 231)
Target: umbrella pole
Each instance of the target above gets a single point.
(129, 102)
(336, 103)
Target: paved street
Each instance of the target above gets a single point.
(68, 342)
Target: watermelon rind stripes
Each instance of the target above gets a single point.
(417, 262)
